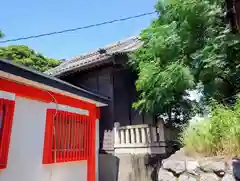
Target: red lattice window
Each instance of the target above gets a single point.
(6, 117)
(66, 137)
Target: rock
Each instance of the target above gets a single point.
(208, 177)
(176, 166)
(179, 154)
(229, 167)
(228, 177)
(193, 167)
(187, 177)
(164, 175)
(213, 166)
(236, 167)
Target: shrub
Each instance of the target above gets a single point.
(217, 136)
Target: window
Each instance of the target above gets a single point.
(66, 137)
(6, 117)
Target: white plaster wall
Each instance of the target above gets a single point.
(7, 95)
(68, 108)
(26, 148)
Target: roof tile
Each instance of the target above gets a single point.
(76, 62)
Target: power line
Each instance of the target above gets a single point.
(78, 28)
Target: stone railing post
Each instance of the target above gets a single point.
(127, 133)
(137, 135)
(144, 136)
(154, 134)
(122, 136)
(149, 134)
(161, 131)
(116, 133)
(132, 135)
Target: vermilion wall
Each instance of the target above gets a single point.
(27, 137)
(26, 148)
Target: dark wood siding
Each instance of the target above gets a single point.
(117, 83)
(125, 95)
(122, 97)
(99, 80)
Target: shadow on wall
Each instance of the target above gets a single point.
(139, 167)
(154, 162)
(108, 167)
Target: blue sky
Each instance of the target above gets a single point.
(28, 17)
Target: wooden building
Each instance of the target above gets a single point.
(105, 71)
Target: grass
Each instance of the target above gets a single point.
(217, 136)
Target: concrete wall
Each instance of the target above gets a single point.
(108, 167)
(129, 167)
(26, 148)
(138, 167)
(132, 167)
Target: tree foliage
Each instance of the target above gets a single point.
(1, 34)
(23, 55)
(189, 46)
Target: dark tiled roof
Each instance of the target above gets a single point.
(24, 72)
(77, 62)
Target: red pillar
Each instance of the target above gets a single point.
(91, 162)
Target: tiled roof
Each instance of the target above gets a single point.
(77, 62)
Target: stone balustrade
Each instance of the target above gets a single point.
(141, 138)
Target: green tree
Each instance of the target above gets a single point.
(1, 34)
(24, 55)
(188, 47)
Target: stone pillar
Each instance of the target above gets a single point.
(144, 138)
(116, 133)
(137, 135)
(127, 133)
(161, 130)
(149, 135)
(122, 136)
(132, 134)
(154, 134)
(161, 133)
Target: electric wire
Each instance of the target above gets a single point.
(78, 28)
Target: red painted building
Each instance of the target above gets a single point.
(48, 128)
